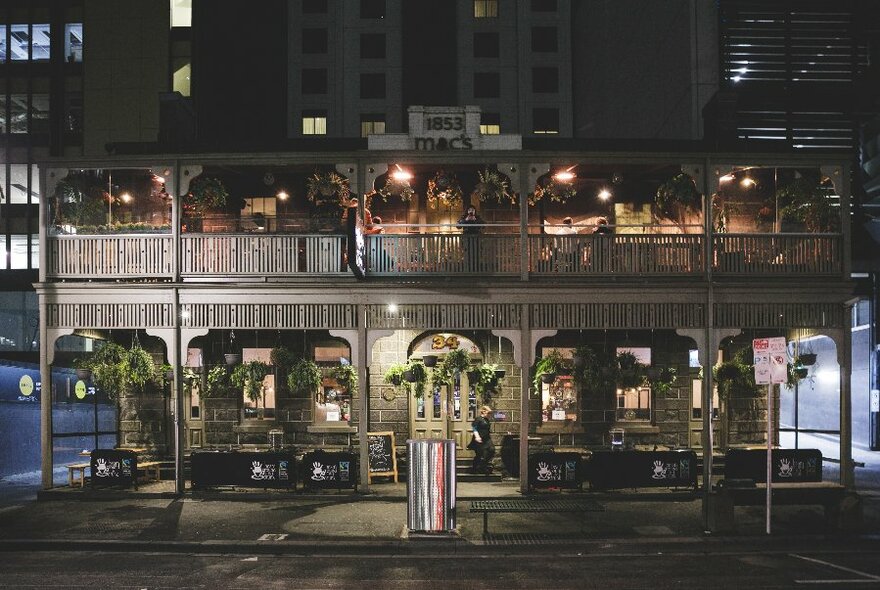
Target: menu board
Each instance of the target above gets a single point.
(383, 459)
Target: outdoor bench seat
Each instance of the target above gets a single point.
(72, 469)
(522, 505)
(150, 469)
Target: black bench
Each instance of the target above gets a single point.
(522, 505)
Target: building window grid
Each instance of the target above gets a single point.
(490, 124)
(314, 123)
(485, 8)
(372, 124)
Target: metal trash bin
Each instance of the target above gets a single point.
(276, 439)
(430, 485)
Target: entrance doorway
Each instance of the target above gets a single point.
(445, 411)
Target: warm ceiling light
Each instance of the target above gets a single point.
(126, 197)
(726, 178)
(401, 175)
(392, 307)
(281, 195)
(564, 176)
(747, 182)
(604, 194)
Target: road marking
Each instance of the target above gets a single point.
(272, 537)
(871, 578)
(251, 559)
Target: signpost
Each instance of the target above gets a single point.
(771, 366)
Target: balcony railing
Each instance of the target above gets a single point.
(441, 254)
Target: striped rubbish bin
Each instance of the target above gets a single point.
(430, 485)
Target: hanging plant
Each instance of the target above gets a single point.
(394, 374)
(327, 188)
(806, 201)
(304, 377)
(485, 382)
(630, 372)
(552, 190)
(440, 377)
(493, 186)
(430, 360)
(418, 376)
(250, 376)
(662, 383)
(677, 196)
(346, 376)
(205, 194)
(444, 190)
(456, 360)
(217, 382)
(552, 364)
(396, 188)
(736, 377)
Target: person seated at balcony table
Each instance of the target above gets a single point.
(471, 225)
(602, 227)
(567, 249)
(567, 226)
(601, 251)
(375, 227)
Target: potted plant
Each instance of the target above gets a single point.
(250, 376)
(394, 374)
(346, 376)
(735, 377)
(677, 196)
(217, 382)
(327, 188)
(394, 187)
(806, 201)
(485, 382)
(115, 370)
(547, 368)
(417, 374)
(443, 189)
(205, 194)
(665, 378)
(304, 377)
(456, 360)
(430, 360)
(630, 372)
(493, 186)
(552, 190)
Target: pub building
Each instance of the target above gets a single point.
(220, 264)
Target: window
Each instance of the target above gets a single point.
(314, 123)
(40, 42)
(487, 85)
(485, 8)
(545, 121)
(545, 80)
(4, 52)
(485, 44)
(314, 40)
(372, 8)
(73, 42)
(543, 5)
(20, 255)
(39, 113)
(372, 123)
(559, 401)
(372, 46)
(259, 402)
(544, 40)
(3, 101)
(334, 400)
(19, 42)
(372, 86)
(490, 123)
(634, 404)
(697, 400)
(18, 184)
(18, 113)
(181, 13)
(314, 81)
(182, 75)
(314, 6)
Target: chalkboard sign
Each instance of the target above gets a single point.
(555, 470)
(323, 470)
(792, 465)
(263, 469)
(607, 470)
(111, 467)
(383, 459)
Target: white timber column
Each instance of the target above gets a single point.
(48, 336)
(840, 179)
(526, 183)
(357, 340)
(842, 338)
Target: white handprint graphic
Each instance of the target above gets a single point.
(544, 473)
(659, 470)
(786, 469)
(101, 469)
(318, 472)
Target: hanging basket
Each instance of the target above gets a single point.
(395, 380)
(807, 360)
(409, 376)
(473, 376)
(653, 373)
(548, 378)
(430, 360)
(83, 374)
(801, 372)
(232, 359)
(500, 373)
(578, 362)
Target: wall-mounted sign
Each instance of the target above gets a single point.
(444, 129)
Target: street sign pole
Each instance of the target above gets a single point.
(769, 451)
(771, 367)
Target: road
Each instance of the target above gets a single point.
(611, 567)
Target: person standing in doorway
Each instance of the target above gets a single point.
(481, 443)
(471, 225)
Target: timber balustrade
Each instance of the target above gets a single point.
(207, 256)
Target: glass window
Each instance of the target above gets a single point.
(261, 403)
(181, 13)
(372, 86)
(544, 40)
(3, 101)
(18, 113)
(487, 85)
(634, 404)
(333, 402)
(372, 46)
(314, 40)
(490, 123)
(697, 400)
(19, 42)
(372, 8)
(314, 81)
(545, 121)
(543, 5)
(314, 123)
(545, 80)
(182, 75)
(559, 400)
(73, 42)
(73, 112)
(39, 113)
(41, 42)
(18, 184)
(4, 54)
(314, 6)
(485, 8)
(372, 123)
(486, 44)
(35, 250)
(18, 251)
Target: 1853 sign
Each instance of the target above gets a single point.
(444, 128)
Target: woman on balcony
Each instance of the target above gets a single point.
(471, 225)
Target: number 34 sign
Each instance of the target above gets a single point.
(771, 364)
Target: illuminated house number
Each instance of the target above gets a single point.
(439, 342)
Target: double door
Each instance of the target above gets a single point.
(446, 411)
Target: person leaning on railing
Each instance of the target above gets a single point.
(471, 225)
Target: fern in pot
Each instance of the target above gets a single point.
(304, 377)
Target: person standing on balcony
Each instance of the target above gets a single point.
(471, 225)
(601, 256)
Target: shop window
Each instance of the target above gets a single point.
(373, 123)
(543, 5)
(372, 45)
(40, 42)
(314, 81)
(314, 123)
(314, 6)
(559, 401)
(19, 252)
(486, 44)
(490, 123)
(261, 406)
(545, 80)
(333, 402)
(73, 42)
(372, 86)
(544, 40)
(697, 400)
(634, 404)
(487, 85)
(181, 13)
(485, 8)
(545, 121)
(372, 8)
(314, 41)
(35, 250)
